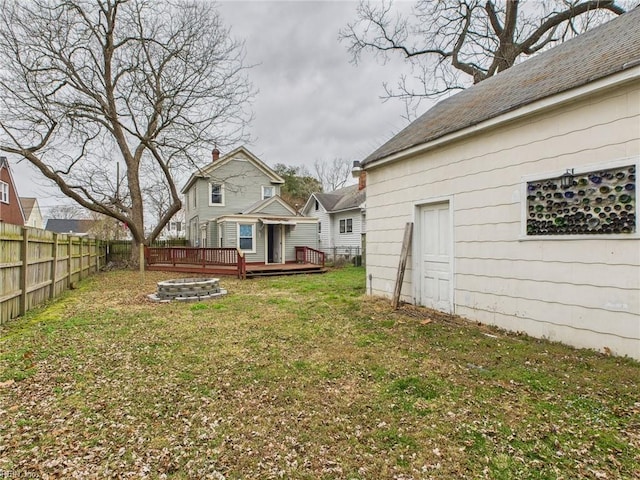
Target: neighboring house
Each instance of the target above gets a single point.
(341, 219)
(31, 209)
(10, 208)
(175, 229)
(234, 203)
(76, 227)
(523, 194)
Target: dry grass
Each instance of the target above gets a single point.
(304, 378)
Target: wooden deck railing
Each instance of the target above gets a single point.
(309, 255)
(197, 256)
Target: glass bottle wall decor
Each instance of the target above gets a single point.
(598, 202)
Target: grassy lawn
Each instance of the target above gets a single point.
(300, 378)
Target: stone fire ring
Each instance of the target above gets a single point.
(188, 290)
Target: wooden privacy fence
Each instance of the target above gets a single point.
(37, 265)
(120, 250)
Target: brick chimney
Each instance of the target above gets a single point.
(215, 154)
(358, 171)
(362, 180)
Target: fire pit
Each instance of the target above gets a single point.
(188, 290)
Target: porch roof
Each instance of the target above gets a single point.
(278, 221)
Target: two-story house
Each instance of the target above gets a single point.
(10, 207)
(234, 202)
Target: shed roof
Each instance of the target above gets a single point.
(595, 54)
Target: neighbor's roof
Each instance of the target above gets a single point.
(344, 198)
(595, 54)
(27, 205)
(63, 225)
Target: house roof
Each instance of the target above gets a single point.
(4, 164)
(345, 198)
(64, 225)
(259, 164)
(595, 54)
(28, 203)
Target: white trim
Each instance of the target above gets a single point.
(346, 223)
(254, 239)
(4, 192)
(523, 111)
(273, 191)
(416, 246)
(273, 221)
(262, 204)
(222, 193)
(604, 165)
(256, 218)
(283, 248)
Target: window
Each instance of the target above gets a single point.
(317, 206)
(346, 225)
(267, 192)
(4, 192)
(246, 234)
(319, 227)
(594, 202)
(216, 194)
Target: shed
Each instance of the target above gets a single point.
(523, 194)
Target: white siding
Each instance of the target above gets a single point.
(352, 239)
(324, 237)
(584, 292)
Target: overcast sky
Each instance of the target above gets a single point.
(312, 103)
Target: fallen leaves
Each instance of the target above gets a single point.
(301, 378)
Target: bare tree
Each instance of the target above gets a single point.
(333, 175)
(88, 83)
(67, 212)
(450, 44)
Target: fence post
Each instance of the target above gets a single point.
(23, 271)
(81, 257)
(54, 267)
(69, 260)
(96, 246)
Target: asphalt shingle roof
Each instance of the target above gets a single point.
(62, 225)
(344, 198)
(597, 53)
(27, 205)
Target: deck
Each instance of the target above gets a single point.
(252, 270)
(229, 261)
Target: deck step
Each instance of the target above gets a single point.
(269, 273)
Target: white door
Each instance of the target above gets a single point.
(435, 257)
